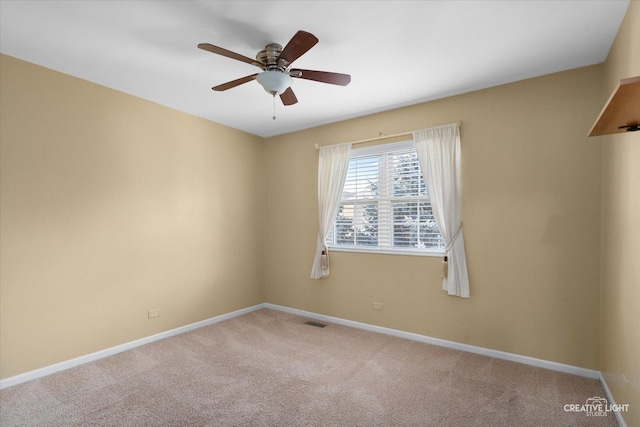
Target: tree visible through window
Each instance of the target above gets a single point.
(385, 205)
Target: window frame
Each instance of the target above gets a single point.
(374, 150)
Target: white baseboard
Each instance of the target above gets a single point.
(605, 387)
(51, 369)
(560, 367)
(48, 370)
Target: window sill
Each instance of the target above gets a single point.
(430, 253)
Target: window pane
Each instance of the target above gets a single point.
(407, 178)
(414, 226)
(405, 224)
(357, 224)
(362, 179)
(344, 226)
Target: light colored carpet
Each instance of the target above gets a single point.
(268, 368)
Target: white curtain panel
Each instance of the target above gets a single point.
(332, 172)
(439, 156)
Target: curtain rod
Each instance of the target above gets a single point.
(383, 136)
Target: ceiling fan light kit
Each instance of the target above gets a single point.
(275, 62)
(274, 82)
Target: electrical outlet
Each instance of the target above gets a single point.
(377, 306)
(154, 313)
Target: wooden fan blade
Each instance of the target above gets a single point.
(322, 76)
(229, 54)
(288, 97)
(297, 46)
(234, 83)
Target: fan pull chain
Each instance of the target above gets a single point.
(274, 107)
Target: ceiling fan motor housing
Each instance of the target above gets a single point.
(269, 57)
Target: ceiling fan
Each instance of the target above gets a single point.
(275, 62)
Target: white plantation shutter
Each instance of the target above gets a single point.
(385, 205)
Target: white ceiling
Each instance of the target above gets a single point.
(397, 52)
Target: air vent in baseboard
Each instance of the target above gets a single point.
(316, 324)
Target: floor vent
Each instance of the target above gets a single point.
(316, 324)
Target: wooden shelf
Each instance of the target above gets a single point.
(622, 109)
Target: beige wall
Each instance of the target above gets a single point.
(620, 280)
(112, 206)
(531, 212)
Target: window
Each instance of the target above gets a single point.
(385, 205)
